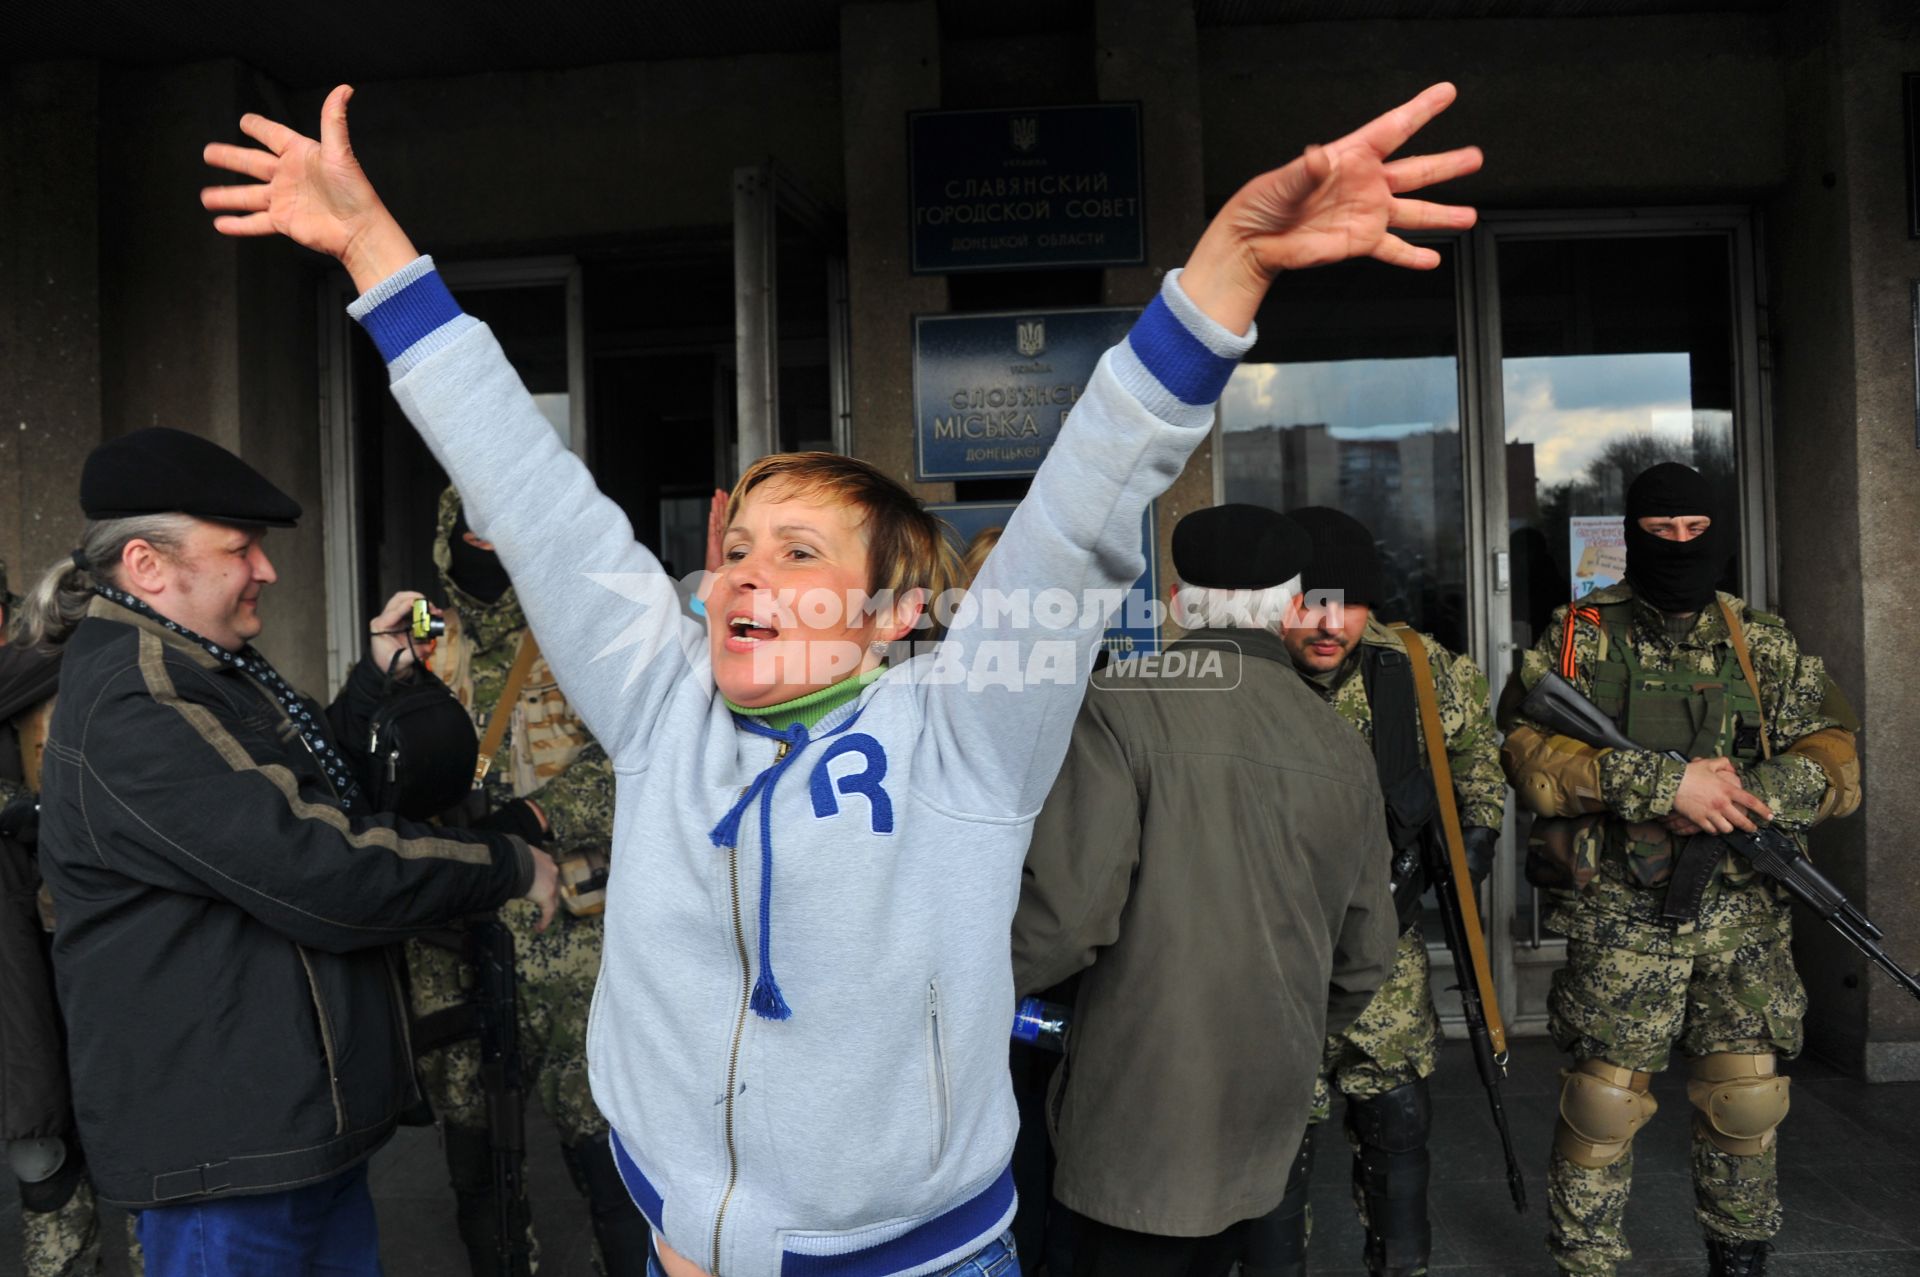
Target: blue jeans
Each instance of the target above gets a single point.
(997, 1260)
(322, 1230)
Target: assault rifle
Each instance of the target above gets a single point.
(491, 1015)
(1444, 861)
(496, 1013)
(1555, 704)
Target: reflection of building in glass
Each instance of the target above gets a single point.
(1406, 487)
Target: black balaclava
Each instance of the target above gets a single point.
(478, 572)
(1677, 577)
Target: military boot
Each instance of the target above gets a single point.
(1737, 1259)
(1390, 1170)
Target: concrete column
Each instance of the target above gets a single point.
(208, 334)
(889, 65)
(1846, 470)
(49, 308)
(1147, 51)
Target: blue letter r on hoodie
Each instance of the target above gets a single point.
(865, 782)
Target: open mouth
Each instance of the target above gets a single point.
(744, 632)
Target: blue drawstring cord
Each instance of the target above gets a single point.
(768, 1002)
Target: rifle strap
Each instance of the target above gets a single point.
(503, 708)
(1746, 668)
(1436, 741)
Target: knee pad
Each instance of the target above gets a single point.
(1396, 1122)
(1602, 1107)
(1740, 1098)
(55, 1188)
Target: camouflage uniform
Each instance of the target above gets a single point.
(65, 1241)
(1395, 1042)
(549, 756)
(1633, 986)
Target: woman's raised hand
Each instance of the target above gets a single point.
(314, 193)
(1341, 200)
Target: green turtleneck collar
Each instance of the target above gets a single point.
(812, 707)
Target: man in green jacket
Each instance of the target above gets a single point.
(1214, 857)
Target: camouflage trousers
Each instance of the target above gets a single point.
(66, 1242)
(1395, 1041)
(556, 971)
(1630, 1008)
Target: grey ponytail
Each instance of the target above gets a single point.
(59, 600)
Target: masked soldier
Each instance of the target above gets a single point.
(550, 782)
(59, 1216)
(1381, 1062)
(1681, 667)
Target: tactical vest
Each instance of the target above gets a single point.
(1699, 715)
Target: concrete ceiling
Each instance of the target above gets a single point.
(309, 46)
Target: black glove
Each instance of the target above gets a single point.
(20, 821)
(1480, 843)
(516, 817)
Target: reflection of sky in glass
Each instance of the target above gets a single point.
(1355, 398)
(1569, 406)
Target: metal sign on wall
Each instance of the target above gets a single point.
(1044, 186)
(990, 391)
(1131, 631)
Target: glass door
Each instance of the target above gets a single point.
(1483, 420)
(1610, 347)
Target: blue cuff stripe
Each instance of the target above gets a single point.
(409, 315)
(644, 1195)
(942, 1235)
(1177, 359)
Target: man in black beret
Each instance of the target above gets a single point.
(1380, 1063)
(226, 899)
(1196, 862)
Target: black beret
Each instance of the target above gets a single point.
(1238, 547)
(162, 471)
(1344, 555)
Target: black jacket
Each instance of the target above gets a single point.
(33, 1064)
(234, 1013)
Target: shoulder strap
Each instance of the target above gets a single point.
(1746, 669)
(1396, 753)
(503, 708)
(1450, 826)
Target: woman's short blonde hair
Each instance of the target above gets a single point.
(905, 548)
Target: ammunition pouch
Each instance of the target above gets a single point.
(1563, 854)
(1554, 775)
(1741, 1100)
(1832, 749)
(583, 883)
(1602, 1107)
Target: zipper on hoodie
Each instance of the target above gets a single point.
(739, 1029)
(942, 1100)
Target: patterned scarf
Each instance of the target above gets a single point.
(312, 727)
